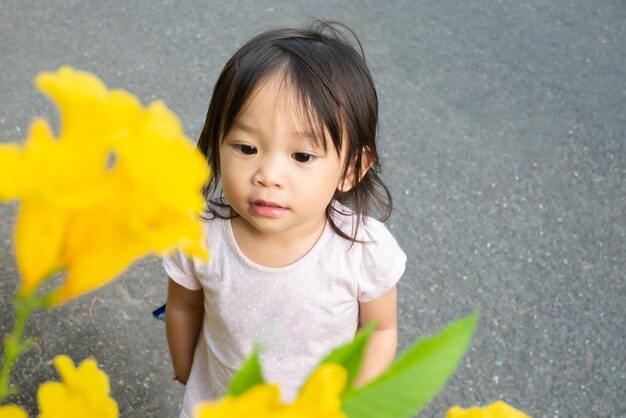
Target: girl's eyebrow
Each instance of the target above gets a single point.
(311, 138)
(238, 124)
(308, 135)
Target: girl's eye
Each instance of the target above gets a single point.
(247, 149)
(303, 157)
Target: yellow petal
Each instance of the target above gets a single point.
(53, 399)
(12, 411)
(10, 171)
(38, 241)
(37, 154)
(319, 396)
(87, 379)
(146, 160)
(99, 247)
(498, 409)
(261, 401)
(84, 392)
(60, 173)
(121, 181)
(87, 108)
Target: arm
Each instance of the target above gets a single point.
(381, 348)
(183, 321)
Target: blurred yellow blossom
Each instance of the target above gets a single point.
(12, 411)
(119, 182)
(83, 393)
(498, 409)
(261, 401)
(319, 398)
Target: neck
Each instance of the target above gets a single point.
(276, 249)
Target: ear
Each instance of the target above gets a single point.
(349, 181)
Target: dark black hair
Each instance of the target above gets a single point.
(336, 93)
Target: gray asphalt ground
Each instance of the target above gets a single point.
(503, 137)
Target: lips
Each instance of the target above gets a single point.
(267, 209)
(266, 203)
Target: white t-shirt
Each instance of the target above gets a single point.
(296, 314)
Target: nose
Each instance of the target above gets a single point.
(269, 173)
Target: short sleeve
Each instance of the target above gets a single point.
(382, 262)
(182, 270)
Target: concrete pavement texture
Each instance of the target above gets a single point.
(503, 140)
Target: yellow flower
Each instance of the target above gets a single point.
(319, 398)
(83, 393)
(119, 182)
(12, 411)
(261, 401)
(498, 409)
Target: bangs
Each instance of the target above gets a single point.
(314, 125)
(300, 74)
(311, 80)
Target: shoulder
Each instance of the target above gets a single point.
(189, 271)
(376, 258)
(378, 243)
(369, 231)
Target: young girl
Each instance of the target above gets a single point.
(296, 265)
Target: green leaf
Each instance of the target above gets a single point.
(247, 376)
(415, 377)
(350, 355)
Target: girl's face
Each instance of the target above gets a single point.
(274, 173)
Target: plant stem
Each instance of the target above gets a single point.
(14, 343)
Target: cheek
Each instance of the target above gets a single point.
(322, 184)
(228, 177)
(227, 167)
